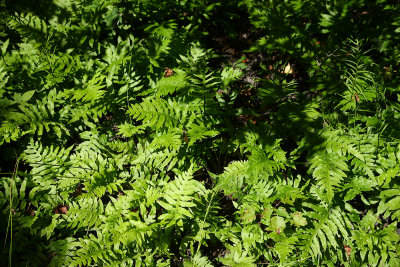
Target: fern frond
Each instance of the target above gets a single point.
(85, 213)
(178, 198)
(172, 84)
(63, 251)
(330, 229)
(154, 112)
(374, 244)
(29, 24)
(359, 81)
(237, 256)
(232, 179)
(129, 130)
(198, 261)
(47, 162)
(92, 89)
(171, 140)
(197, 133)
(160, 159)
(389, 206)
(92, 249)
(328, 170)
(39, 117)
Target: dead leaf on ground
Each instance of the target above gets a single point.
(61, 209)
(347, 249)
(168, 72)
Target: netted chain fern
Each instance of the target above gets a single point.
(137, 145)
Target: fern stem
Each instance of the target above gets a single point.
(204, 221)
(9, 224)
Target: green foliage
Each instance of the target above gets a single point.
(199, 133)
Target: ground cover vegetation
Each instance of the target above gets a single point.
(200, 133)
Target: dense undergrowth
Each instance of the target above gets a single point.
(200, 133)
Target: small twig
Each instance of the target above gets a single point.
(202, 225)
(9, 224)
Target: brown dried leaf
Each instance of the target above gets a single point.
(357, 97)
(347, 249)
(61, 209)
(168, 72)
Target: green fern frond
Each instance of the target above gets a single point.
(154, 112)
(86, 111)
(92, 249)
(198, 261)
(329, 171)
(179, 197)
(171, 140)
(39, 117)
(232, 179)
(330, 229)
(160, 159)
(63, 251)
(358, 79)
(172, 84)
(376, 245)
(129, 130)
(389, 206)
(46, 162)
(197, 133)
(238, 257)
(27, 24)
(84, 214)
(92, 89)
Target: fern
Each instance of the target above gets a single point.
(330, 227)
(238, 257)
(178, 199)
(156, 113)
(47, 162)
(159, 159)
(171, 85)
(39, 117)
(86, 212)
(376, 245)
(198, 261)
(171, 140)
(389, 205)
(328, 170)
(202, 133)
(92, 91)
(359, 81)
